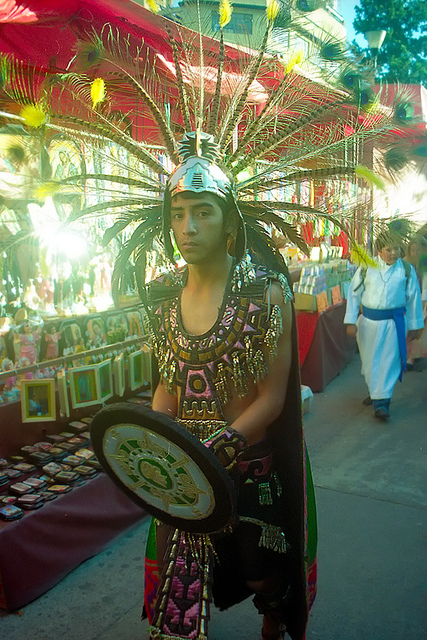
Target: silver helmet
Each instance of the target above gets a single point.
(198, 172)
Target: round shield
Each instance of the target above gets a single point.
(163, 468)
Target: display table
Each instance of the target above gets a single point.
(324, 347)
(38, 550)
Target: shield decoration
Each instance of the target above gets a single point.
(163, 468)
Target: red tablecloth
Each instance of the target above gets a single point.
(37, 551)
(324, 347)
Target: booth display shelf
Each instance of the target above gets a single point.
(39, 549)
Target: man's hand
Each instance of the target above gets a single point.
(351, 330)
(227, 446)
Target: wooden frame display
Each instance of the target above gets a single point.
(84, 386)
(139, 369)
(38, 400)
(64, 405)
(105, 376)
(119, 374)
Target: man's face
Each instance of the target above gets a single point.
(390, 254)
(198, 225)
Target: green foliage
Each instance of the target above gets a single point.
(403, 55)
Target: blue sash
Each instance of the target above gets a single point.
(398, 315)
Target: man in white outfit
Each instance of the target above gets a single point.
(391, 308)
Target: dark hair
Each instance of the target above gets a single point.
(388, 239)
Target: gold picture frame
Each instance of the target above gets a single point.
(38, 402)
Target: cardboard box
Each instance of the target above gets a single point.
(305, 302)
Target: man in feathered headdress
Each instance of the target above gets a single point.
(224, 336)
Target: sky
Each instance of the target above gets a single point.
(346, 9)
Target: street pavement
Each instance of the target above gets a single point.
(371, 488)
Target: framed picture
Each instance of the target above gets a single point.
(139, 368)
(119, 374)
(64, 405)
(94, 330)
(135, 325)
(38, 400)
(84, 386)
(105, 375)
(67, 160)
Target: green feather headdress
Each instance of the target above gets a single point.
(275, 123)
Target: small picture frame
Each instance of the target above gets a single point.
(119, 375)
(84, 386)
(64, 405)
(38, 400)
(105, 376)
(139, 368)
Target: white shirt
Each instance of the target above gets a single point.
(385, 287)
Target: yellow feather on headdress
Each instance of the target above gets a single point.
(46, 190)
(97, 91)
(153, 6)
(369, 176)
(33, 115)
(272, 9)
(295, 58)
(359, 256)
(225, 11)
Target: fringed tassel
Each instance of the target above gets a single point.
(273, 538)
(277, 482)
(273, 334)
(284, 285)
(264, 494)
(244, 274)
(221, 385)
(239, 376)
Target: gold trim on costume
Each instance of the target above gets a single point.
(203, 429)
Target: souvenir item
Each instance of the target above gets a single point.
(47, 495)
(66, 477)
(30, 501)
(93, 463)
(4, 479)
(5, 500)
(40, 458)
(57, 453)
(28, 449)
(52, 469)
(59, 488)
(72, 460)
(20, 489)
(55, 438)
(67, 447)
(77, 426)
(43, 446)
(10, 512)
(85, 471)
(35, 483)
(24, 467)
(87, 454)
(12, 473)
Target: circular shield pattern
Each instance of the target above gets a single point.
(163, 468)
